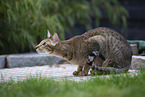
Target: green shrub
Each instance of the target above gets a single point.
(24, 22)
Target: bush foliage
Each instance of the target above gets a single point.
(24, 22)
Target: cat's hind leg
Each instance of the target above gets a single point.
(94, 57)
(90, 63)
(95, 70)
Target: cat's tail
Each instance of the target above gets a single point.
(108, 70)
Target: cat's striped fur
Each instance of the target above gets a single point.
(109, 43)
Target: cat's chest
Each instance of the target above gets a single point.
(79, 57)
(79, 61)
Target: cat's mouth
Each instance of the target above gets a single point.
(42, 51)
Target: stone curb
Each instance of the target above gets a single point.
(34, 59)
(31, 60)
(138, 62)
(24, 60)
(2, 61)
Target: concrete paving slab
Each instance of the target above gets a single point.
(55, 72)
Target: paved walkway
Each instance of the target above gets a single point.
(56, 72)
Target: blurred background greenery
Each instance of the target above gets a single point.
(24, 23)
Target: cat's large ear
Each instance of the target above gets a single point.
(55, 37)
(48, 34)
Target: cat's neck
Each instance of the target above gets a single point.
(62, 50)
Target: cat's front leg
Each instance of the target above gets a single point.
(78, 70)
(85, 70)
(89, 64)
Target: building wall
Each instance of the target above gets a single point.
(136, 22)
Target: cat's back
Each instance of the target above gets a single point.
(109, 37)
(104, 31)
(100, 35)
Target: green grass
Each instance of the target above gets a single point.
(116, 86)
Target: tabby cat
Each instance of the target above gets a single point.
(101, 49)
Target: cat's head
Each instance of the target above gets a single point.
(48, 45)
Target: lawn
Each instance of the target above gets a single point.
(115, 86)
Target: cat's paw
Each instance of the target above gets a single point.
(75, 73)
(83, 74)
